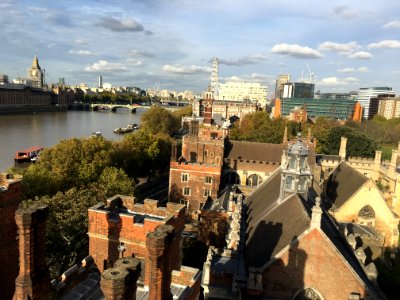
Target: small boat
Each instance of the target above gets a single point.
(27, 155)
(96, 133)
(128, 128)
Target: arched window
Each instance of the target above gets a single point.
(367, 212)
(308, 294)
(366, 216)
(253, 180)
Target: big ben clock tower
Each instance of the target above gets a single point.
(35, 73)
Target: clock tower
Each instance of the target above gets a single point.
(35, 73)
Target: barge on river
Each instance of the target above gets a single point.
(27, 155)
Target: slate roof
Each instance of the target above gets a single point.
(241, 150)
(342, 183)
(272, 226)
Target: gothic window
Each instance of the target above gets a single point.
(206, 193)
(253, 180)
(308, 294)
(367, 212)
(208, 179)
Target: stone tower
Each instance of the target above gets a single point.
(295, 171)
(35, 73)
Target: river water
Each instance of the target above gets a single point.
(19, 132)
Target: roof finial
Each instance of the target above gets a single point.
(316, 214)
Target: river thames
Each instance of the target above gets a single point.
(19, 132)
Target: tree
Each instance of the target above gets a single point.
(258, 127)
(159, 120)
(358, 144)
(142, 153)
(71, 163)
(67, 226)
(114, 181)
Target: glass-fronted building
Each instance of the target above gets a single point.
(341, 109)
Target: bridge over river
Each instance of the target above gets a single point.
(131, 107)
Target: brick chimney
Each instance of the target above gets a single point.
(33, 281)
(114, 283)
(158, 245)
(133, 266)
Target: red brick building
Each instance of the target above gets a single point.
(151, 234)
(10, 198)
(196, 175)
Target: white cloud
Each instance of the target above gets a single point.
(114, 24)
(81, 52)
(360, 55)
(253, 77)
(247, 60)
(335, 81)
(185, 70)
(134, 62)
(337, 47)
(80, 41)
(136, 53)
(105, 66)
(344, 12)
(392, 24)
(296, 51)
(353, 70)
(390, 44)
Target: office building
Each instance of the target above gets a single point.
(280, 82)
(366, 94)
(298, 90)
(239, 91)
(389, 108)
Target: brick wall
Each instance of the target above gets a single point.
(9, 201)
(196, 182)
(313, 262)
(110, 228)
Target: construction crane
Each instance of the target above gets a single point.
(311, 75)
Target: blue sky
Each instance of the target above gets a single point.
(146, 43)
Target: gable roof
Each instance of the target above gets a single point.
(241, 150)
(342, 183)
(271, 226)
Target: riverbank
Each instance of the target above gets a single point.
(23, 110)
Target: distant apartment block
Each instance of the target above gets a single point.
(368, 98)
(389, 108)
(239, 91)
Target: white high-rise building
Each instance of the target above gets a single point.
(366, 94)
(241, 90)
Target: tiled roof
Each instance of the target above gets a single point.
(342, 183)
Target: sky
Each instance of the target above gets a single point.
(170, 44)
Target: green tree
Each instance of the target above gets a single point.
(258, 127)
(67, 226)
(159, 120)
(114, 181)
(71, 163)
(358, 144)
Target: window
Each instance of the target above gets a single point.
(184, 177)
(186, 191)
(208, 179)
(206, 193)
(205, 153)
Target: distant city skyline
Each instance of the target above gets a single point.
(171, 44)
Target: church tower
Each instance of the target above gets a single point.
(35, 73)
(295, 172)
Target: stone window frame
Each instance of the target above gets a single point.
(208, 179)
(186, 191)
(206, 192)
(184, 177)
